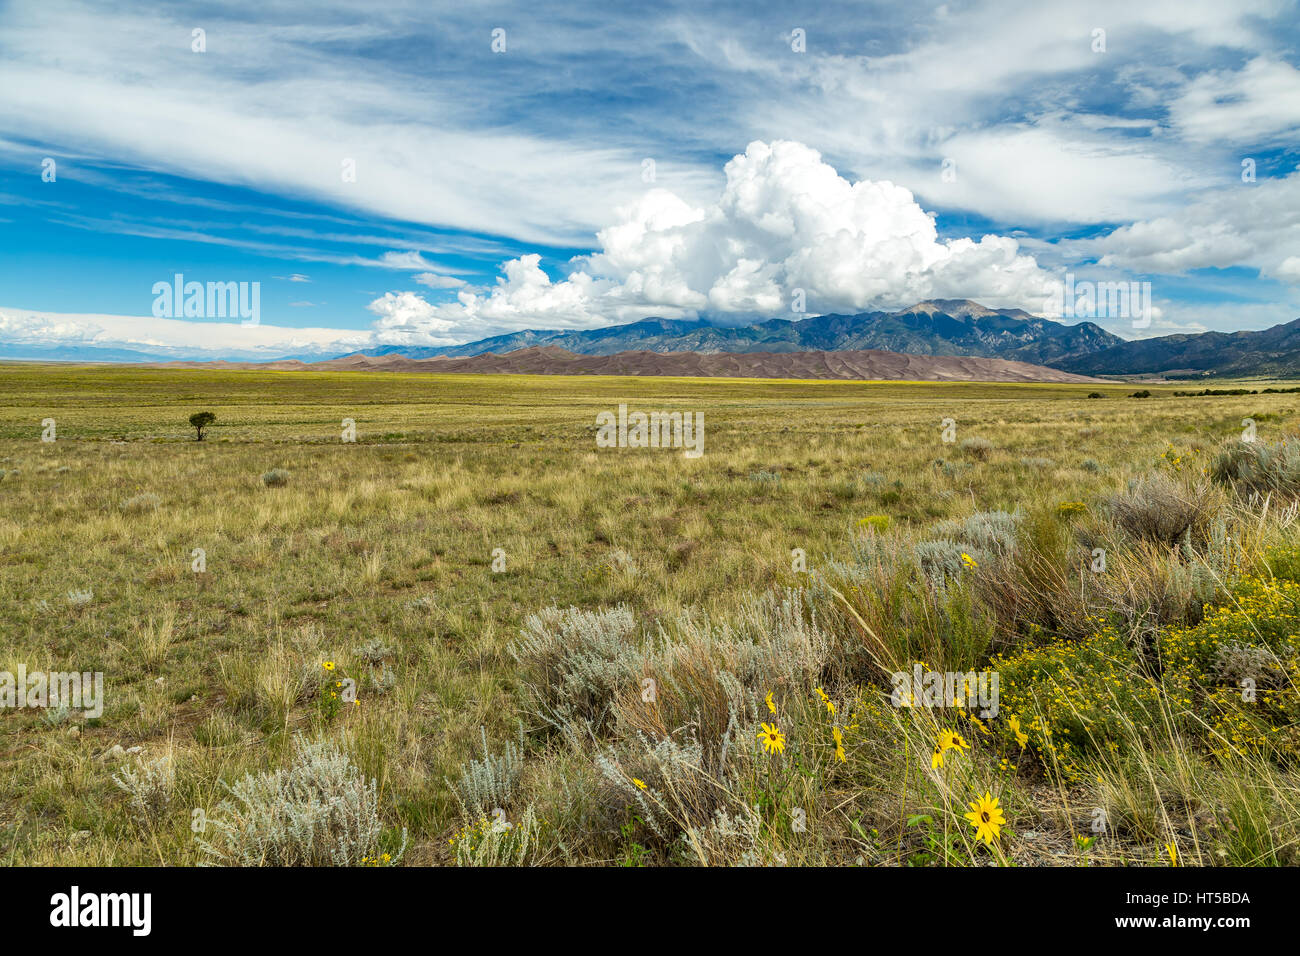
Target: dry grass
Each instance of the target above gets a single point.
(392, 540)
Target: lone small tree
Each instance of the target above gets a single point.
(200, 421)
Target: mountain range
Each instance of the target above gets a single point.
(1272, 352)
(943, 327)
(939, 328)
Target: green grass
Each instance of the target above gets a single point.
(391, 540)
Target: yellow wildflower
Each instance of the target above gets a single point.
(1022, 738)
(773, 739)
(986, 818)
(951, 740)
(830, 707)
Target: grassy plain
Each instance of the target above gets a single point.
(377, 556)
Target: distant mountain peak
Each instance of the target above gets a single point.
(959, 308)
(947, 307)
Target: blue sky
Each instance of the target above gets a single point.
(579, 165)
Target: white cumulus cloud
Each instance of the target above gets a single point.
(785, 221)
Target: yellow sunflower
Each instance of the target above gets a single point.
(986, 818)
(773, 739)
(951, 740)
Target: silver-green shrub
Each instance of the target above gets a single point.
(488, 783)
(149, 786)
(771, 643)
(1259, 467)
(319, 811)
(729, 839)
(573, 663)
(940, 561)
(992, 532)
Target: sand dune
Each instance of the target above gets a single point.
(549, 360)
